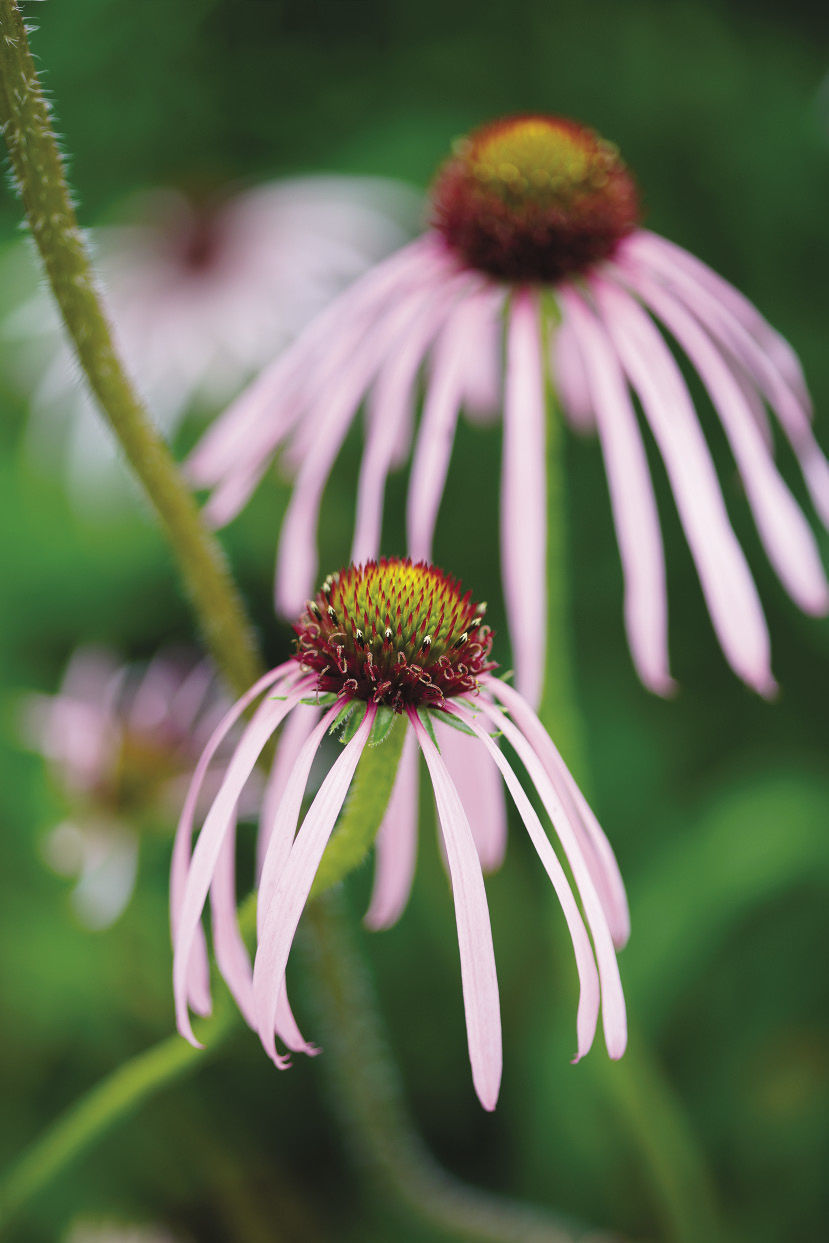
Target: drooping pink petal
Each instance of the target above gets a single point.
(726, 581)
(787, 537)
(632, 499)
(294, 735)
(390, 419)
(396, 845)
(524, 496)
(614, 1016)
(570, 379)
(588, 1010)
(232, 954)
(283, 910)
(478, 975)
(198, 970)
(597, 850)
(782, 387)
(203, 863)
(667, 257)
(435, 438)
(480, 791)
(297, 555)
(480, 343)
(270, 401)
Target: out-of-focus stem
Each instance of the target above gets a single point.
(112, 1100)
(372, 1107)
(636, 1088)
(39, 175)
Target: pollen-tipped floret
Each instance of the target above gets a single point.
(534, 198)
(394, 633)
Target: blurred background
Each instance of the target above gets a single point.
(717, 803)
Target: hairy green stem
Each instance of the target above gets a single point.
(641, 1099)
(39, 175)
(367, 801)
(373, 1111)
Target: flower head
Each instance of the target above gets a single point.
(204, 288)
(450, 711)
(533, 213)
(534, 198)
(120, 741)
(394, 633)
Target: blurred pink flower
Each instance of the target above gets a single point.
(381, 639)
(535, 223)
(121, 741)
(202, 293)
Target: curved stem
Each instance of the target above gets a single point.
(112, 1100)
(642, 1100)
(371, 1101)
(39, 176)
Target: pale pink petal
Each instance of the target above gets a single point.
(435, 438)
(478, 975)
(481, 793)
(391, 411)
(480, 342)
(396, 845)
(632, 500)
(726, 580)
(285, 814)
(292, 739)
(787, 537)
(524, 496)
(666, 257)
(614, 1017)
(198, 987)
(203, 863)
(596, 848)
(232, 954)
(297, 556)
(283, 911)
(570, 379)
(588, 1010)
(270, 402)
(786, 396)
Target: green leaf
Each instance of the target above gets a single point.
(342, 716)
(354, 721)
(383, 723)
(446, 718)
(319, 701)
(425, 718)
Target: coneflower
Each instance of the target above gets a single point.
(392, 644)
(535, 235)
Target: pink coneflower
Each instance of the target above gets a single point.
(203, 290)
(535, 239)
(383, 641)
(121, 741)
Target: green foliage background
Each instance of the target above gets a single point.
(716, 802)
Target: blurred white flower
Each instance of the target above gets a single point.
(121, 741)
(117, 1232)
(201, 295)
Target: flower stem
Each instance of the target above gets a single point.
(39, 175)
(636, 1088)
(111, 1101)
(371, 1102)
